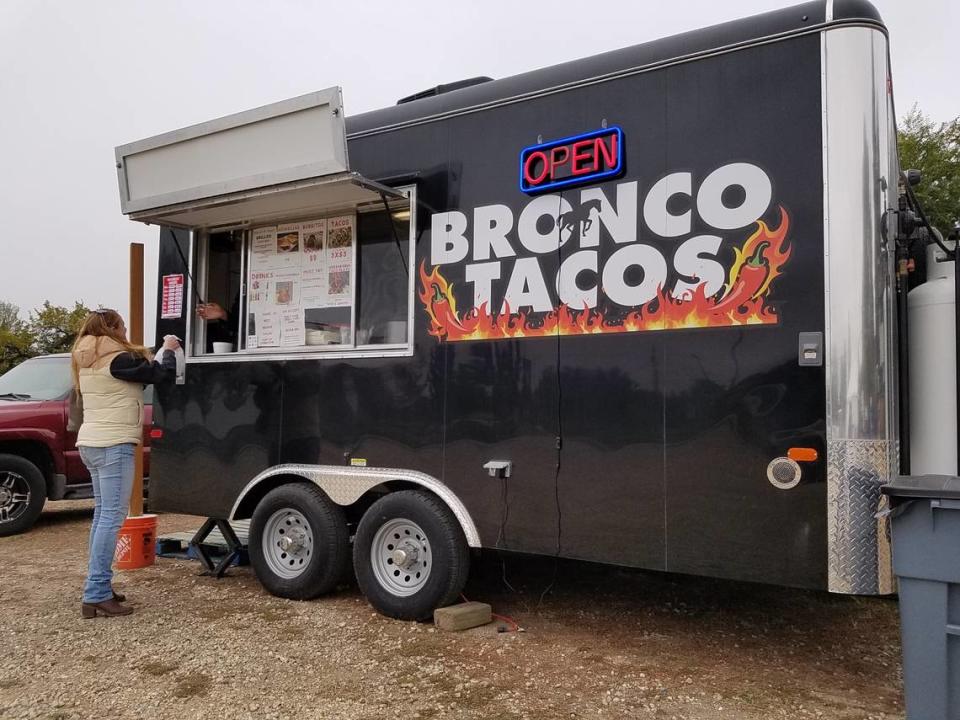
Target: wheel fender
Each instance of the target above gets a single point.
(345, 485)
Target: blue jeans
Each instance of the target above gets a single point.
(111, 471)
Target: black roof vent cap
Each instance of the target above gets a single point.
(441, 89)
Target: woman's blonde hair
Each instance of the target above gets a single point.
(103, 323)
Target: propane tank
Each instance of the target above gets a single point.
(933, 368)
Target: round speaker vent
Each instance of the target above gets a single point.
(783, 473)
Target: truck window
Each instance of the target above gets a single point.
(332, 283)
(42, 378)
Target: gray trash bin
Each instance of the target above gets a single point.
(925, 513)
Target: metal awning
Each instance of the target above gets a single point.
(314, 196)
(282, 160)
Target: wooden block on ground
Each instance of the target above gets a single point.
(463, 616)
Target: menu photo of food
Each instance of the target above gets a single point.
(338, 282)
(288, 242)
(284, 292)
(313, 242)
(341, 237)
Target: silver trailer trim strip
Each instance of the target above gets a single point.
(858, 324)
(375, 351)
(188, 299)
(345, 485)
(818, 28)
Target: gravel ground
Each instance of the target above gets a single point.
(602, 643)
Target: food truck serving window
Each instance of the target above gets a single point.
(329, 283)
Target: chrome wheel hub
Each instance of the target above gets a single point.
(294, 540)
(406, 557)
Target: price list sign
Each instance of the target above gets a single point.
(171, 303)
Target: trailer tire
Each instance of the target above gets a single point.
(23, 491)
(299, 543)
(410, 555)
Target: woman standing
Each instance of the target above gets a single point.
(108, 375)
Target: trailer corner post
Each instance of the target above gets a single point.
(136, 337)
(861, 442)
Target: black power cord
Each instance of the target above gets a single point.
(556, 476)
(918, 209)
(501, 535)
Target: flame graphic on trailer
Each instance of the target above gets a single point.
(744, 300)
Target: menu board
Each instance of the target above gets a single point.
(297, 267)
(171, 304)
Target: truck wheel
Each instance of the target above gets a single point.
(410, 555)
(22, 494)
(299, 543)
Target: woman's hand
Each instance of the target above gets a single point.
(211, 311)
(170, 342)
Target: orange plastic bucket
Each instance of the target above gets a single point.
(137, 543)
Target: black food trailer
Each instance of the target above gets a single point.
(634, 309)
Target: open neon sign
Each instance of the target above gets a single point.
(571, 160)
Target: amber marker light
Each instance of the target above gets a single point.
(802, 454)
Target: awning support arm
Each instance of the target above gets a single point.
(393, 228)
(186, 265)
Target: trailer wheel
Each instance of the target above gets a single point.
(410, 555)
(22, 494)
(299, 544)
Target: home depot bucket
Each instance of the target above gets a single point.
(137, 543)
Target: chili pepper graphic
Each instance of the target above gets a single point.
(442, 310)
(750, 279)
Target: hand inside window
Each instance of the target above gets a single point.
(211, 311)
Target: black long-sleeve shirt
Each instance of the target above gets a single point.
(135, 368)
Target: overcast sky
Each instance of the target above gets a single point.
(80, 77)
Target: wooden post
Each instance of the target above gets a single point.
(135, 329)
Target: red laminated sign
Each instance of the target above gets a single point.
(171, 303)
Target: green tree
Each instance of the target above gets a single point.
(16, 342)
(9, 315)
(54, 328)
(934, 149)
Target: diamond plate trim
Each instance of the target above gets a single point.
(858, 543)
(345, 485)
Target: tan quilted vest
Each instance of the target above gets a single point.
(112, 409)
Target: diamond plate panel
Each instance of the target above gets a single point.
(858, 542)
(344, 485)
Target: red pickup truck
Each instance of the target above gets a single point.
(39, 460)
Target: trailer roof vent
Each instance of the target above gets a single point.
(441, 89)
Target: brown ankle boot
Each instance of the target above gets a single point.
(107, 608)
(119, 597)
